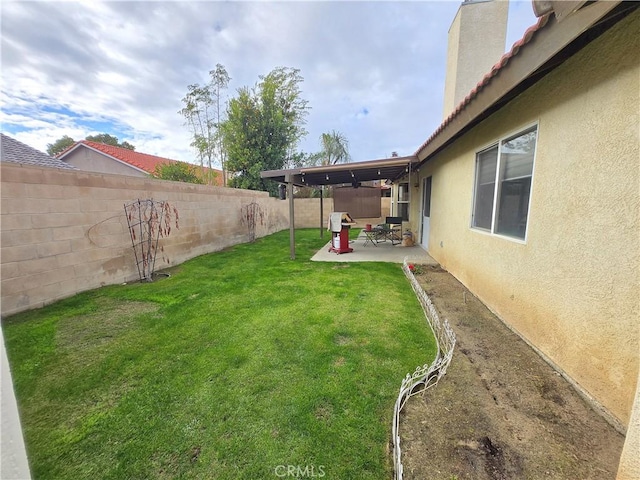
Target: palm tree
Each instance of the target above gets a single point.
(335, 148)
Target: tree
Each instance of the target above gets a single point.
(263, 126)
(335, 148)
(60, 145)
(66, 141)
(109, 140)
(219, 81)
(202, 116)
(178, 172)
(303, 159)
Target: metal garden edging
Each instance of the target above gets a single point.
(424, 376)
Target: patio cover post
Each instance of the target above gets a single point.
(292, 229)
(321, 211)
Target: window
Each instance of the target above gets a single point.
(486, 163)
(503, 185)
(403, 201)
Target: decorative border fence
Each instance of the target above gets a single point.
(427, 375)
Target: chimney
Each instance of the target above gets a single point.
(477, 39)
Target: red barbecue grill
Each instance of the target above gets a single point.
(339, 224)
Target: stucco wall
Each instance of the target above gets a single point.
(572, 289)
(13, 455)
(629, 468)
(453, 44)
(91, 161)
(476, 42)
(385, 207)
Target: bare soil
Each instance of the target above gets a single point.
(500, 412)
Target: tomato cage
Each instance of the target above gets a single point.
(148, 221)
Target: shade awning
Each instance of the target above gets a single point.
(353, 173)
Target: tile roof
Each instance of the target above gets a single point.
(495, 70)
(14, 151)
(141, 161)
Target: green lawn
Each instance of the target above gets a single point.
(241, 364)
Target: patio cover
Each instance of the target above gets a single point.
(353, 173)
(385, 169)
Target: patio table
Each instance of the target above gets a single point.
(381, 233)
(372, 236)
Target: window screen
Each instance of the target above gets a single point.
(486, 164)
(505, 209)
(516, 157)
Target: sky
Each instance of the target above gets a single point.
(372, 70)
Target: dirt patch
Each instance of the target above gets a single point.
(342, 340)
(500, 412)
(110, 320)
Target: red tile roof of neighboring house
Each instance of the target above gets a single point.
(142, 161)
(502, 63)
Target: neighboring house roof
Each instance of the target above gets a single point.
(15, 151)
(140, 161)
(544, 46)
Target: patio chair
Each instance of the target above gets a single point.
(395, 229)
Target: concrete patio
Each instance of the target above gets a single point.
(379, 252)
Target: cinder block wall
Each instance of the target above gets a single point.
(66, 231)
(307, 212)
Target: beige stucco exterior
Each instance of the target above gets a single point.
(629, 467)
(90, 160)
(571, 288)
(476, 42)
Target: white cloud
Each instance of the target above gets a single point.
(372, 70)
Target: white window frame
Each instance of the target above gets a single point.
(496, 193)
(406, 202)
